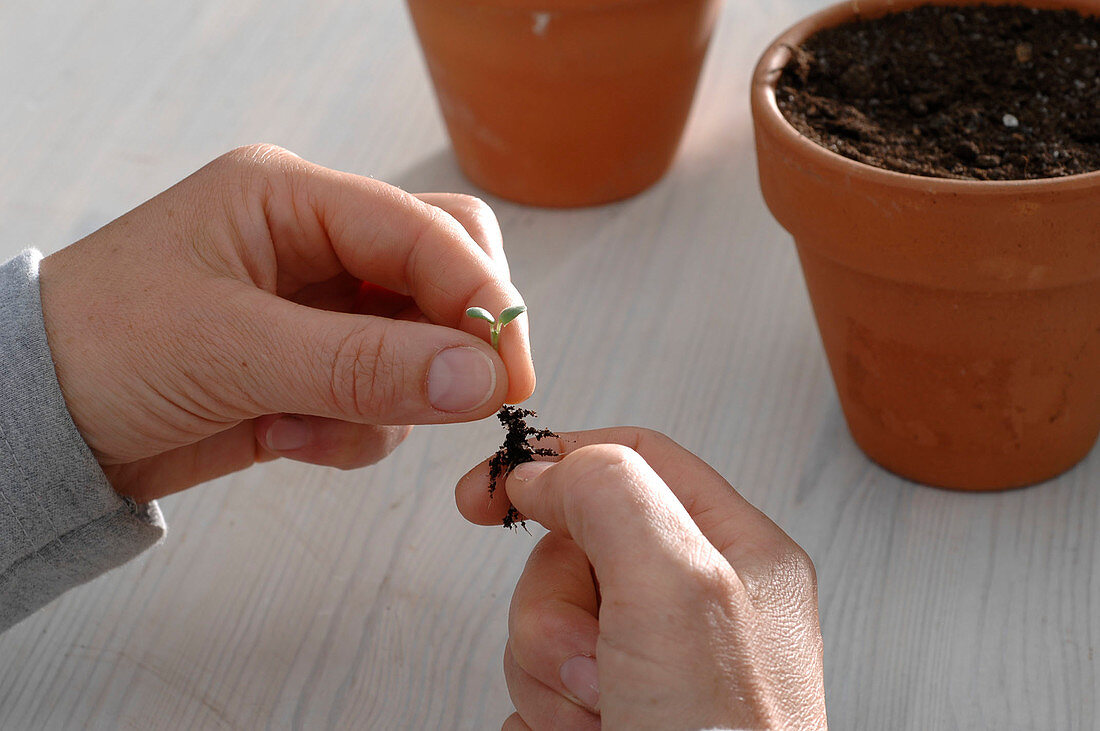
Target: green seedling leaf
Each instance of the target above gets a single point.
(480, 313)
(510, 314)
(496, 324)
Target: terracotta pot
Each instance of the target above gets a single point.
(961, 319)
(564, 102)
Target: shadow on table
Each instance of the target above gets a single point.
(704, 182)
(439, 172)
(531, 233)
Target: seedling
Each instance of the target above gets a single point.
(516, 448)
(496, 324)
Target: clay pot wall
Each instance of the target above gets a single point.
(567, 102)
(961, 319)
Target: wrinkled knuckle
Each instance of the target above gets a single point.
(480, 211)
(260, 155)
(599, 472)
(712, 583)
(805, 567)
(791, 580)
(474, 205)
(798, 569)
(604, 459)
(365, 379)
(789, 561)
(259, 163)
(651, 440)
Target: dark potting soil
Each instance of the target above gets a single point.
(516, 450)
(978, 92)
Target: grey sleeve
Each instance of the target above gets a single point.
(61, 523)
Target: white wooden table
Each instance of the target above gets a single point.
(298, 597)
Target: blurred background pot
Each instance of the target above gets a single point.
(961, 319)
(564, 102)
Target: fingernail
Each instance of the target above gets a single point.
(287, 434)
(579, 676)
(461, 379)
(530, 470)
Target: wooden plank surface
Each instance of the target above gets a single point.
(297, 597)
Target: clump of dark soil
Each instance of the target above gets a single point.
(516, 450)
(976, 92)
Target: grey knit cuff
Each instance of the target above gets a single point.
(61, 523)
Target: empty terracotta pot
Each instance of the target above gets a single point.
(564, 102)
(961, 319)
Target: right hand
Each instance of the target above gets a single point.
(659, 599)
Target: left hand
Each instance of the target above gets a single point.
(227, 321)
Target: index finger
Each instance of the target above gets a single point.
(323, 221)
(479, 221)
(412, 247)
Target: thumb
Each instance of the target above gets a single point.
(609, 501)
(366, 369)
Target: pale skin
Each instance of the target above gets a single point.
(184, 331)
(660, 598)
(268, 307)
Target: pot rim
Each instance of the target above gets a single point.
(778, 54)
(545, 6)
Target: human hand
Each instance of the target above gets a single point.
(266, 306)
(659, 599)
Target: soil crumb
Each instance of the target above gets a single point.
(516, 450)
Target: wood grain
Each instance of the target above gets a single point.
(295, 597)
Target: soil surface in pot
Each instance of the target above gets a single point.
(975, 92)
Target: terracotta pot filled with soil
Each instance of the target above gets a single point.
(936, 166)
(564, 102)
